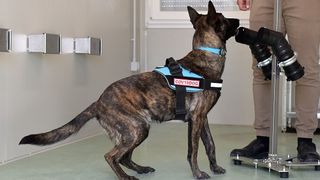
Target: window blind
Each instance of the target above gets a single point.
(200, 5)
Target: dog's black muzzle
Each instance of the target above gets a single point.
(232, 28)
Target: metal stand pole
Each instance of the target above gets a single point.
(275, 162)
(275, 84)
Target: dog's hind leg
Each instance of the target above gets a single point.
(130, 133)
(127, 162)
(113, 157)
(142, 133)
(208, 143)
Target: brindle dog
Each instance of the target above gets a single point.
(127, 106)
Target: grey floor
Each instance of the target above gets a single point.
(165, 150)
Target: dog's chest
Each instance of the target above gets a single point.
(202, 101)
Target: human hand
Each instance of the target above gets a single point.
(244, 5)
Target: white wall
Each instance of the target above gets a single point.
(2, 113)
(235, 105)
(41, 92)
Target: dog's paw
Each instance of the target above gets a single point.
(217, 169)
(145, 170)
(202, 175)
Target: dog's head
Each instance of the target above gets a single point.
(212, 24)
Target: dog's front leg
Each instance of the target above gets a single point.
(208, 143)
(194, 133)
(189, 140)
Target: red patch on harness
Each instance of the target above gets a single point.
(186, 82)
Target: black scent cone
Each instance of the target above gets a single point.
(282, 50)
(259, 42)
(261, 52)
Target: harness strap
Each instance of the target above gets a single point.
(175, 70)
(195, 82)
(177, 79)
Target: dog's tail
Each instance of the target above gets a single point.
(62, 132)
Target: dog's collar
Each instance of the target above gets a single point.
(217, 51)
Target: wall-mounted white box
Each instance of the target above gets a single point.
(44, 43)
(88, 45)
(67, 45)
(5, 40)
(19, 42)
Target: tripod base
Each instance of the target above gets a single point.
(294, 162)
(275, 163)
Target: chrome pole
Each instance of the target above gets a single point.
(275, 87)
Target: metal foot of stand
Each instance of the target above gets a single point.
(275, 162)
(294, 162)
(282, 165)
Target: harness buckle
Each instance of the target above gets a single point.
(223, 52)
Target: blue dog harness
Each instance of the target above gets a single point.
(192, 81)
(184, 81)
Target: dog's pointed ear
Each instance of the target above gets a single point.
(194, 16)
(211, 8)
(212, 13)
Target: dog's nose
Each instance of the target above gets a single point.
(237, 22)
